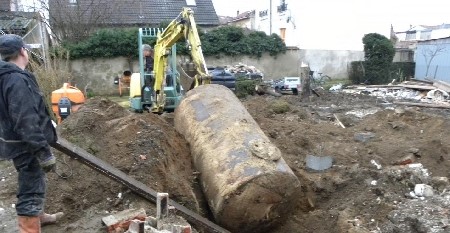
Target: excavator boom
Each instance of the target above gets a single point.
(183, 26)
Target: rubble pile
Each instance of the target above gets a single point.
(241, 69)
(435, 92)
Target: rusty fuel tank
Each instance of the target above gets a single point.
(248, 185)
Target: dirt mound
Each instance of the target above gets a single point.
(144, 146)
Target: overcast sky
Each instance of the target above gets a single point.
(341, 24)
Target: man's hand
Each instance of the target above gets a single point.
(49, 165)
(47, 162)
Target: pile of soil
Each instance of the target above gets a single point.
(354, 195)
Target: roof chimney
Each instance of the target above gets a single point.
(237, 13)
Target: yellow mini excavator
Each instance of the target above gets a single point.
(166, 86)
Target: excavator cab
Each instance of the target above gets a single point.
(142, 93)
(163, 93)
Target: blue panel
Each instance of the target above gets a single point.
(439, 66)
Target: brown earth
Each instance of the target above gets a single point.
(340, 199)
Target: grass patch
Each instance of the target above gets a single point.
(280, 106)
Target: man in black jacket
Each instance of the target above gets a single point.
(26, 132)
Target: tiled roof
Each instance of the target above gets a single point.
(243, 16)
(204, 12)
(435, 27)
(153, 12)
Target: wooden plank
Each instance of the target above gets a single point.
(422, 81)
(418, 87)
(424, 105)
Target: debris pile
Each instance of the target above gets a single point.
(137, 221)
(426, 92)
(243, 70)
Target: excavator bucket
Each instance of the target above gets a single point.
(187, 75)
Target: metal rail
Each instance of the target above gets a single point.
(115, 174)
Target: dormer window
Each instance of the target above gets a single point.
(191, 3)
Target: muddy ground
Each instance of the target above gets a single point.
(364, 191)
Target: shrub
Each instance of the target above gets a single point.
(378, 54)
(280, 107)
(228, 40)
(245, 87)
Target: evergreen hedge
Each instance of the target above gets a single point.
(228, 40)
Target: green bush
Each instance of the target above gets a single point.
(106, 43)
(280, 107)
(378, 54)
(229, 40)
(400, 71)
(245, 87)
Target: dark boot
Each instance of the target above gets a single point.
(29, 224)
(47, 219)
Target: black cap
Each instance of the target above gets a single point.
(11, 43)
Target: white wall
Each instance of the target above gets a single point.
(99, 74)
(330, 62)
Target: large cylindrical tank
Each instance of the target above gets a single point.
(248, 185)
(75, 99)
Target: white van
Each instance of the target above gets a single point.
(288, 84)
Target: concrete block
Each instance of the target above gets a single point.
(162, 205)
(423, 190)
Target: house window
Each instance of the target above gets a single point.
(263, 13)
(282, 7)
(425, 35)
(72, 2)
(191, 3)
(410, 35)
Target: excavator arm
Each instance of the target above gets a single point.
(182, 27)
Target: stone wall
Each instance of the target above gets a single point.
(98, 75)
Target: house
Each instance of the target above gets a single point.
(277, 17)
(406, 41)
(28, 25)
(269, 17)
(432, 59)
(244, 20)
(85, 16)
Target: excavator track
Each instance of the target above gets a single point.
(115, 174)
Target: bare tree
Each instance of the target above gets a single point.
(75, 20)
(430, 52)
